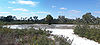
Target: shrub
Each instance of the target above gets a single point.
(88, 31)
(26, 37)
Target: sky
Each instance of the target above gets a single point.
(41, 8)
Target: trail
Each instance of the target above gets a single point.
(77, 40)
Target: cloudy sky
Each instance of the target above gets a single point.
(40, 8)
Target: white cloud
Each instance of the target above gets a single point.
(74, 11)
(63, 8)
(4, 12)
(28, 2)
(20, 9)
(96, 11)
(24, 2)
(53, 6)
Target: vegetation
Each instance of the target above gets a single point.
(34, 20)
(62, 40)
(49, 19)
(88, 27)
(89, 32)
(87, 18)
(27, 37)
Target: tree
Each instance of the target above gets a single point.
(2, 18)
(78, 20)
(88, 18)
(61, 19)
(35, 18)
(30, 19)
(97, 21)
(14, 17)
(25, 18)
(21, 18)
(9, 18)
(48, 19)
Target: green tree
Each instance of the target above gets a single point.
(88, 18)
(9, 18)
(14, 17)
(31, 19)
(49, 18)
(97, 21)
(35, 18)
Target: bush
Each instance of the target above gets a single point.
(25, 37)
(88, 32)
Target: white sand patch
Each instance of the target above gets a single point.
(16, 26)
(12, 26)
(60, 25)
(77, 40)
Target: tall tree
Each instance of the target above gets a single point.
(30, 19)
(2, 18)
(88, 18)
(49, 18)
(9, 18)
(61, 19)
(14, 17)
(35, 18)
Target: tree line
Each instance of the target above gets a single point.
(87, 18)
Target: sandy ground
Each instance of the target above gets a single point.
(42, 26)
(77, 40)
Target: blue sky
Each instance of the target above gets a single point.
(40, 8)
